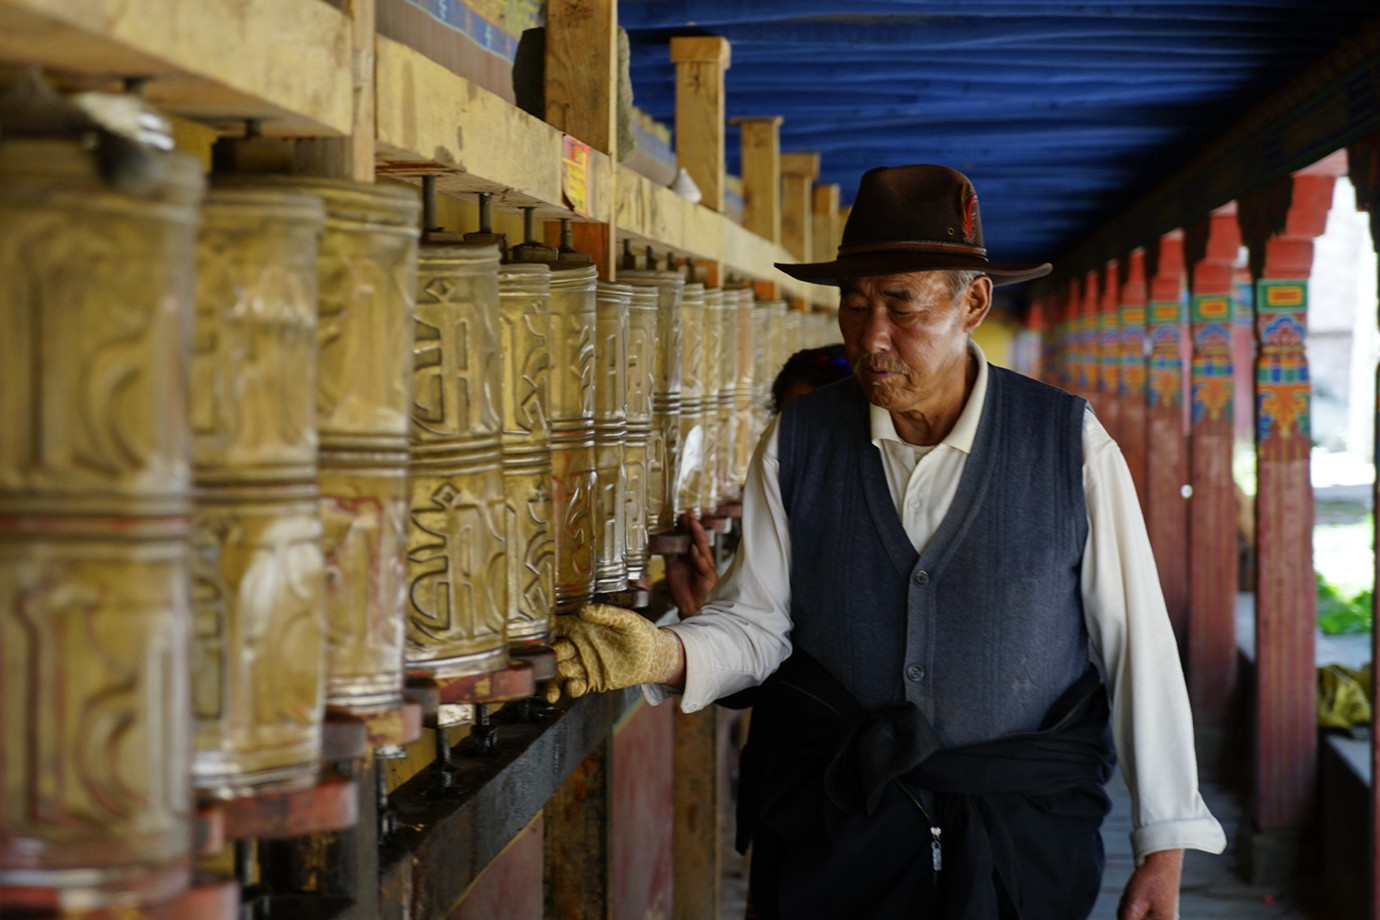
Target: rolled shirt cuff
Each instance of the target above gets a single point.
(1202, 833)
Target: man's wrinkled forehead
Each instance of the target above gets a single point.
(910, 281)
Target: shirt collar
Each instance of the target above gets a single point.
(965, 429)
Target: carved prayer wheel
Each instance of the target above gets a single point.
(744, 438)
(641, 375)
(96, 294)
(457, 548)
(715, 416)
(663, 452)
(689, 488)
(258, 655)
(525, 296)
(572, 431)
(610, 437)
(766, 360)
(366, 276)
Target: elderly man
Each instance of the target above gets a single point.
(946, 591)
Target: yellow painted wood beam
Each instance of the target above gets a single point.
(284, 62)
(761, 165)
(700, 64)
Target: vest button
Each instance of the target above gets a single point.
(915, 672)
(922, 577)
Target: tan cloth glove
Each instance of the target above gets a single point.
(608, 648)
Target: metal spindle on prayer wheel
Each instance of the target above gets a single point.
(610, 436)
(690, 463)
(97, 270)
(663, 454)
(367, 291)
(524, 292)
(744, 439)
(715, 420)
(641, 376)
(258, 655)
(457, 560)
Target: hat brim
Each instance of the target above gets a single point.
(873, 264)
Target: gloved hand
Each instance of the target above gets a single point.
(608, 648)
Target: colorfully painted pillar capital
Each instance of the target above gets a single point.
(1131, 284)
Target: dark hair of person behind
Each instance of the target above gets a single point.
(807, 370)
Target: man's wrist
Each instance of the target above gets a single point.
(676, 679)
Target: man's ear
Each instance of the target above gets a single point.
(977, 302)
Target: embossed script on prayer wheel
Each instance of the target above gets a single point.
(525, 295)
(366, 277)
(572, 431)
(457, 559)
(258, 656)
(689, 483)
(663, 448)
(610, 436)
(715, 420)
(642, 322)
(744, 439)
(96, 291)
(766, 361)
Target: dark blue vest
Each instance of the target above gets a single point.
(984, 630)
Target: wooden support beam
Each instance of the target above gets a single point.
(760, 141)
(824, 223)
(578, 866)
(351, 156)
(1132, 439)
(1212, 245)
(641, 861)
(1279, 223)
(582, 71)
(1166, 447)
(696, 837)
(700, 64)
(798, 173)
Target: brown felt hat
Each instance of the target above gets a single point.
(912, 219)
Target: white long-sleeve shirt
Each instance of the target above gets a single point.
(743, 632)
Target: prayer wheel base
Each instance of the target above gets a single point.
(330, 805)
(516, 682)
(540, 659)
(669, 544)
(477, 664)
(208, 898)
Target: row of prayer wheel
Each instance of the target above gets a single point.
(264, 451)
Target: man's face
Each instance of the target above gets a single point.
(907, 336)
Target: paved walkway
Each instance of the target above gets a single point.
(1211, 888)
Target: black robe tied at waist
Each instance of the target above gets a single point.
(840, 804)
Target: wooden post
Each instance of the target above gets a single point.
(1133, 406)
(1363, 168)
(798, 173)
(760, 141)
(695, 842)
(582, 71)
(1211, 246)
(1109, 325)
(824, 227)
(1166, 444)
(1279, 223)
(350, 157)
(700, 64)
(577, 842)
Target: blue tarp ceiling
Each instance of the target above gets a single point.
(1063, 114)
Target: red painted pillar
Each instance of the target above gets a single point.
(1133, 418)
(1279, 223)
(1166, 516)
(1363, 168)
(1109, 325)
(1090, 373)
(1037, 324)
(1064, 373)
(1211, 663)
